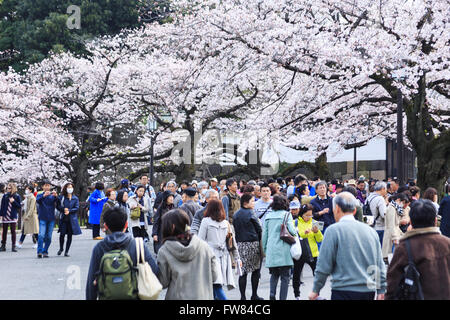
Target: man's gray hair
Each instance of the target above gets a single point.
(171, 182)
(318, 184)
(380, 185)
(211, 192)
(202, 184)
(346, 201)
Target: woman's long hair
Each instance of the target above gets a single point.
(215, 210)
(119, 198)
(175, 227)
(164, 205)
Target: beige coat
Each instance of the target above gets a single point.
(392, 230)
(30, 218)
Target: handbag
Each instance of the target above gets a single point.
(306, 250)
(148, 284)
(135, 213)
(284, 232)
(229, 239)
(296, 249)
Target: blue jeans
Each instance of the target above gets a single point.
(380, 235)
(219, 294)
(45, 235)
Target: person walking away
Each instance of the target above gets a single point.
(248, 235)
(46, 202)
(10, 207)
(394, 214)
(430, 253)
(444, 212)
(30, 218)
(110, 203)
(165, 206)
(116, 222)
(377, 204)
(351, 254)
(182, 253)
(96, 200)
(198, 217)
(139, 225)
(306, 230)
(68, 204)
(214, 229)
(278, 252)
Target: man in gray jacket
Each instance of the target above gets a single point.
(189, 205)
(351, 254)
(377, 203)
(198, 217)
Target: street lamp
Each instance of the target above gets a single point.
(152, 126)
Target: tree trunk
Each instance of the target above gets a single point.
(80, 177)
(433, 151)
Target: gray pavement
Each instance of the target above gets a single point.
(24, 277)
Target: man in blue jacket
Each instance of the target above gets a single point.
(323, 206)
(115, 221)
(46, 214)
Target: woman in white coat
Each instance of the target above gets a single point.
(214, 229)
(138, 224)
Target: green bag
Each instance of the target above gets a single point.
(135, 213)
(117, 277)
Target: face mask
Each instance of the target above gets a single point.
(70, 190)
(27, 192)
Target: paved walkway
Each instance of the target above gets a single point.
(24, 277)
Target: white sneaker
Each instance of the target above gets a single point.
(34, 246)
(18, 246)
(297, 298)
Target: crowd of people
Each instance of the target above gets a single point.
(220, 229)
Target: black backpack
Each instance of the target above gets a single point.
(409, 287)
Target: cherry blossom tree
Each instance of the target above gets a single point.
(348, 61)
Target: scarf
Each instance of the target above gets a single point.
(398, 208)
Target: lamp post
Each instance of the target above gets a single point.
(152, 126)
(400, 137)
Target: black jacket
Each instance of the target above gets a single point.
(246, 226)
(112, 241)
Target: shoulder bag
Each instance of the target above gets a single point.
(284, 232)
(148, 284)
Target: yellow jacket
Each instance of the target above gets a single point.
(313, 238)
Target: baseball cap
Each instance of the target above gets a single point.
(125, 181)
(294, 205)
(213, 179)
